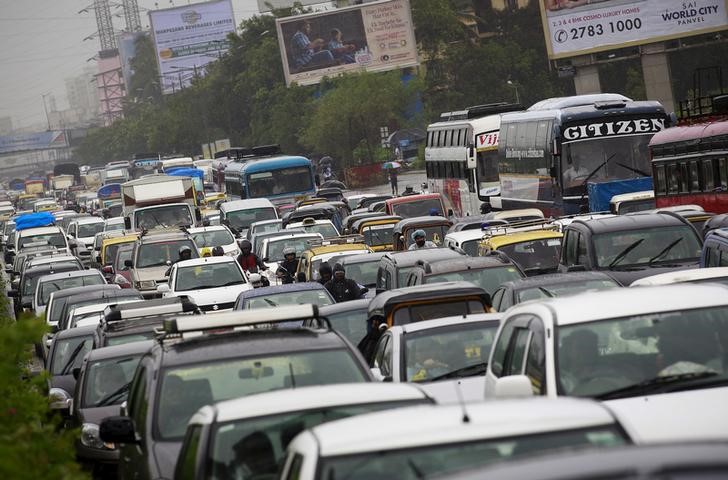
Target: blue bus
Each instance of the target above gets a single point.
(281, 179)
(549, 154)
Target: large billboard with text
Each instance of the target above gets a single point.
(188, 38)
(577, 27)
(376, 36)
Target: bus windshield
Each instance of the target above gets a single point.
(279, 182)
(604, 159)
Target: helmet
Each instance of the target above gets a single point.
(325, 268)
(338, 268)
(245, 244)
(289, 251)
(255, 279)
(418, 233)
(184, 249)
(218, 251)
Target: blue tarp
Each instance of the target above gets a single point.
(109, 191)
(33, 220)
(601, 193)
(185, 172)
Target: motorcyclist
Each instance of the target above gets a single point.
(325, 273)
(185, 253)
(341, 288)
(248, 260)
(287, 270)
(420, 239)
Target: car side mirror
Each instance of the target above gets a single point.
(553, 172)
(513, 386)
(198, 215)
(12, 293)
(107, 269)
(128, 263)
(163, 288)
(265, 260)
(380, 290)
(117, 429)
(8, 269)
(377, 373)
(206, 222)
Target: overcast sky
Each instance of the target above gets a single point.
(42, 44)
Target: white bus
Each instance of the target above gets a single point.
(461, 157)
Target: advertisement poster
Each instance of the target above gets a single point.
(577, 27)
(373, 37)
(188, 38)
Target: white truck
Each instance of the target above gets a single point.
(159, 201)
(62, 182)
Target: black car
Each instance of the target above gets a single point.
(179, 375)
(395, 267)
(632, 246)
(94, 297)
(486, 272)
(102, 386)
(547, 286)
(66, 353)
(23, 296)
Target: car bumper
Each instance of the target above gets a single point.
(94, 455)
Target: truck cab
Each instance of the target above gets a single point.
(159, 201)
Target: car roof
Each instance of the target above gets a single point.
(275, 289)
(280, 238)
(359, 258)
(412, 198)
(518, 237)
(410, 257)
(75, 332)
(210, 228)
(427, 291)
(340, 247)
(465, 235)
(681, 276)
(91, 219)
(205, 260)
(49, 267)
(556, 279)
(417, 222)
(333, 309)
(448, 321)
(235, 205)
(131, 348)
(119, 239)
(44, 259)
(88, 289)
(39, 231)
(306, 398)
(465, 263)
(626, 302)
(163, 236)
(70, 274)
(404, 427)
(631, 221)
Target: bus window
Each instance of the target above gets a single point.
(694, 177)
(672, 178)
(709, 184)
(660, 184)
(723, 170)
(683, 176)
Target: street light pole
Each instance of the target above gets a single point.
(45, 109)
(512, 84)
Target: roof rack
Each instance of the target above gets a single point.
(342, 240)
(523, 226)
(247, 318)
(148, 308)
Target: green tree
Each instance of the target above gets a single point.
(144, 83)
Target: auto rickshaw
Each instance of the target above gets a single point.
(377, 231)
(435, 230)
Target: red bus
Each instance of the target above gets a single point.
(690, 166)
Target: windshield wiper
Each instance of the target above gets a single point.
(203, 287)
(467, 371)
(115, 395)
(664, 251)
(591, 174)
(625, 252)
(635, 170)
(654, 384)
(72, 358)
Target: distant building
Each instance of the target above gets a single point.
(83, 97)
(6, 125)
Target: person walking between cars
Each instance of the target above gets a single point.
(341, 288)
(393, 180)
(248, 260)
(287, 270)
(420, 239)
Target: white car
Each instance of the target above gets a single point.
(693, 275)
(84, 229)
(654, 354)
(271, 250)
(465, 240)
(114, 224)
(213, 283)
(446, 356)
(48, 284)
(277, 417)
(239, 214)
(53, 236)
(215, 236)
(325, 227)
(435, 440)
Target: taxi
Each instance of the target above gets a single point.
(435, 228)
(377, 231)
(310, 201)
(111, 244)
(46, 205)
(320, 252)
(535, 251)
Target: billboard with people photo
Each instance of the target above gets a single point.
(577, 27)
(376, 36)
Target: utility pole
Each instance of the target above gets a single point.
(45, 109)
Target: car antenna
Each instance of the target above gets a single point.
(461, 402)
(293, 378)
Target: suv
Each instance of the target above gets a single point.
(151, 257)
(486, 272)
(631, 246)
(394, 268)
(181, 374)
(715, 249)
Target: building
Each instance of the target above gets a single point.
(6, 125)
(83, 97)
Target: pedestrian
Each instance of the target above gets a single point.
(287, 270)
(248, 260)
(325, 273)
(420, 239)
(341, 288)
(393, 180)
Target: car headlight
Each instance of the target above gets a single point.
(90, 437)
(147, 285)
(120, 280)
(59, 399)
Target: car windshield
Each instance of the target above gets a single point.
(275, 247)
(214, 238)
(208, 275)
(241, 219)
(168, 216)
(364, 273)
(316, 297)
(46, 288)
(110, 251)
(436, 460)
(159, 253)
(563, 289)
(327, 230)
(244, 449)
(122, 255)
(185, 389)
(267, 227)
(647, 246)
(599, 357)
(69, 352)
(279, 182)
(541, 254)
(489, 279)
(54, 239)
(418, 208)
(435, 234)
(113, 226)
(90, 229)
(459, 350)
(31, 281)
(376, 235)
(132, 337)
(445, 307)
(631, 206)
(351, 323)
(107, 381)
(471, 247)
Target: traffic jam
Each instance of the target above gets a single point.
(552, 302)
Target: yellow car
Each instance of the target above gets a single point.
(212, 198)
(312, 258)
(111, 244)
(535, 251)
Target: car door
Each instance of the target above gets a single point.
(526, 352)
(382, 354)
(497, 298)
(134, 458)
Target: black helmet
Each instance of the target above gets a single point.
(184, 249)
(218, 251)
(325, 269)
(339, 268)
(245, 244)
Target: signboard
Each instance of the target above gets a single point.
(577, 27)
(374, 37)
(188, 38)
(615, 128)
(265, 5)
(33, 141)
(487, 141)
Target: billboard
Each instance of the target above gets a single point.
(265, 5)
(374, 37)
(577, 27)
(33, 141)
(188, 38)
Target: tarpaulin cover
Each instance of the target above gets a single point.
(185, 172)
(109, 191)
(34, 220)
(600, 194)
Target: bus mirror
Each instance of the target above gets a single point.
(553, 172)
